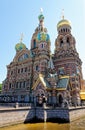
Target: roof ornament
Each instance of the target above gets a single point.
(62, 14)
(41, 10)
(50, 63)
(21, 37)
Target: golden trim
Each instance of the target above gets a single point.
(40, 79)
(63, 77)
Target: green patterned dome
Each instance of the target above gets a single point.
(20, 46)
(40, 17)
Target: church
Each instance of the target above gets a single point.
(36, 76)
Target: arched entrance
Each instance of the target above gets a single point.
(60, 99)
(40, 97)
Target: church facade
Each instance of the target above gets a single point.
(37, 76)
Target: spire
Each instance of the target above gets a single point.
(50, 63)
(62, 14)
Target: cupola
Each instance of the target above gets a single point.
(20, 46)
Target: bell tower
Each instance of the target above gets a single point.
(66, 58)
(40, 48)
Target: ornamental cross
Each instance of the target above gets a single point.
(62, 13)
(41, 10)
(21, 37)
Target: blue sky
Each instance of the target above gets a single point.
(17, 16)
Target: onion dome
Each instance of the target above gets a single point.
(20, 46)
(63, 22)
(42, 36)
(41, 17)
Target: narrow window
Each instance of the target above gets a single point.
(68, 41)
(37, 67)
(21, 70)
(61, 42)
(34, 43)
(42, 46)
(64, 30)
(25, 69)
(18, 70)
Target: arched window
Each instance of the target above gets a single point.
(64, 30)
(68, 41)
(34, 43)
(42, 46)
(37, 68)
(61, 42)
(61, 30)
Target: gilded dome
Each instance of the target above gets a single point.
(42, 36)
(63, 22)
(20, 46)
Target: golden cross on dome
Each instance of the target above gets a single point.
(21, 37)
(62, 13)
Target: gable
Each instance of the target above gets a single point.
(22, 55)
(43, 81)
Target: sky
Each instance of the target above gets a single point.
(21, 16)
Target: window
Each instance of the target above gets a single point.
(25, 69)
(25, 56)
(21, 70)
(42, 46)
(61, 42)
(11, 72)
(24, 84)
(18, 70)
(64, 30)
(68, 41)
(37, 68)
(10, 85)
(61, 30)
(20, 84)
(17, 85)
(34, 43)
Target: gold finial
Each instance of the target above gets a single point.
(62, 13)
(41, 10)
(21, 37)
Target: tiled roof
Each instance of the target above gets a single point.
(62, 83)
